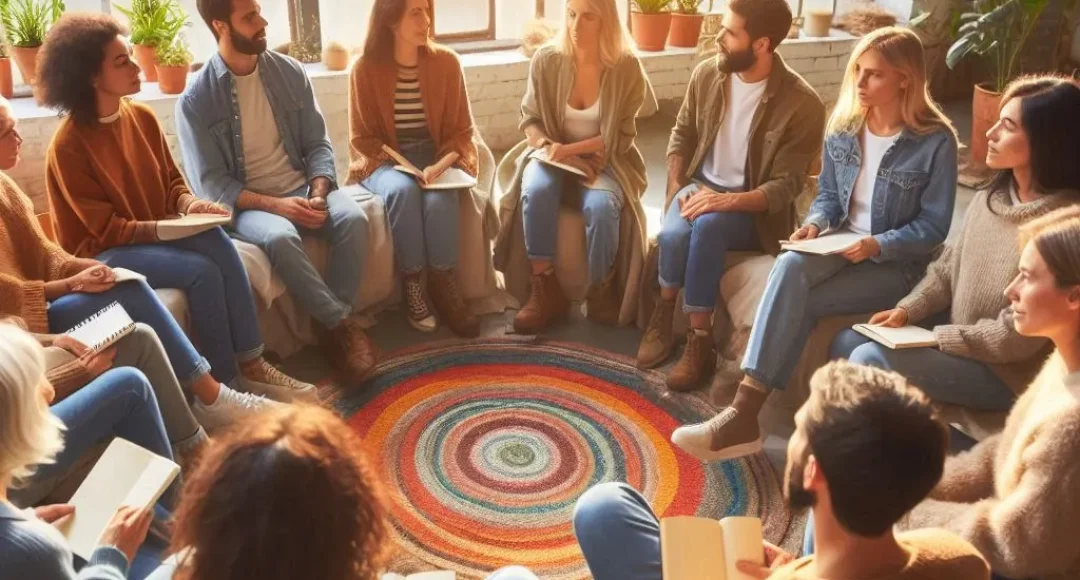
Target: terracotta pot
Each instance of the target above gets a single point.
(818, 23)
(26, 58)
(7, 87)
(335, 58)
(984, 113)
(172, 79)
(145, 55)
(685, 29)
(650, 30)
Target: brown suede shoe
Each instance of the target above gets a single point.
(602, 302)
(658, 342)
(546, 304)
(697, 363)
(444, 293)
(351, 352)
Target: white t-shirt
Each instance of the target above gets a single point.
(860, 209)
(726, 166)
(267, 163)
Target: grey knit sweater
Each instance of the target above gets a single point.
(969, 279)
(31, 548)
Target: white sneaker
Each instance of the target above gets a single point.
(230, 407)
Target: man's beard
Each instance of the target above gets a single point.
(245, 45)
(736, 62)
(798, 497)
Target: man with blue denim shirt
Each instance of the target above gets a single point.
(253, 138)
(745, 138)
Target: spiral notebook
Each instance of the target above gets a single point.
(104, 328)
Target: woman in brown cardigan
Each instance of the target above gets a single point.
(408, 94)
(580, 110)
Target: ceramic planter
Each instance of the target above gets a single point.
(335, 58)
(685, 29)
(146, 56)
(984, 113)
(172, 79)
(650, 31)
(26, 59)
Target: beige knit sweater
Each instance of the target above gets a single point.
(1016, 495)
(969, 279)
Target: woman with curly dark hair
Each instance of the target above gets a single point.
(111, 179)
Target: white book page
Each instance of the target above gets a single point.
(832, 243)
(742, 541)
(125, 275)
(692, 548)
(904, 336)
(541, 155)
(189, 225)
(452, 178)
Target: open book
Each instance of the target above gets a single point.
(440, 575)
(541, 155)
(452, 178)
(693, 548)
(897, 338)
(103, 328)
(824, 245)
(126, 475)
(189, 225)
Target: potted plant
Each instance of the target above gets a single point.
(152, 22)
(649, 24)
(25, 24)
(173, 64)
(997, 30)
(7, 87)
(335, 56)
(685, 23)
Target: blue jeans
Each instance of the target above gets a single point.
(542, 189)
(425, 224)
(618, 533)
(692, 253)
(209, 271)
(943, 377)
(346, 230)
(803, 288)
(143, 306)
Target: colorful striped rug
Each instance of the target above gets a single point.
(486, 445)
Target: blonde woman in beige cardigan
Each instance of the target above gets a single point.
(1016, 495)
(579, 109)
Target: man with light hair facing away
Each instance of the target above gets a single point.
(867, 448)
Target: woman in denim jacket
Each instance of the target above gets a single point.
(888, 175)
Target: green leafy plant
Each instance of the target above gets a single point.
(154, 22)
(686, 6)
(997, 29)
(26, 21)
(175, 53)
(651, 6)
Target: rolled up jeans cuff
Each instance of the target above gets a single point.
(250, 355)
(202, 367)
(696, 309)
(540, 257)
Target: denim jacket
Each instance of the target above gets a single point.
(208, 125)
(913, 197)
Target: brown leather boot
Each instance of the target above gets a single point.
(658, 342)
(546, 304)
(444, 293)
(351, 352)
(697, 362)
(602, 303)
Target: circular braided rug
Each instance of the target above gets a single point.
(485, 446)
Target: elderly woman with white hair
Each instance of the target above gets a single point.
(120, 403)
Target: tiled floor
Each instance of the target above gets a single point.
(393, 332)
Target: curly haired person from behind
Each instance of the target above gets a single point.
(290, 496)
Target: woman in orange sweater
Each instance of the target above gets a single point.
(408, 94)
(111, 179)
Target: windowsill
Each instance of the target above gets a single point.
(25, 107)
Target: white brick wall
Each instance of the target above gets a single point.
(496, 83)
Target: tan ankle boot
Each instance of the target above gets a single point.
(697, 362)
(658, 342)
(444, 293)
(546, 304)
(351, 352)
(602, 303)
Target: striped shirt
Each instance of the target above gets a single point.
(409, 120)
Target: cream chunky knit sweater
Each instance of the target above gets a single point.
(1016, 495)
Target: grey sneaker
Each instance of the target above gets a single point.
(230, 407)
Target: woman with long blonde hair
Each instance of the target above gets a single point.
(888, 182)
(579, 110)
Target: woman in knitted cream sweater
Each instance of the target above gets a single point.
(111, 179)
(1016, 495)
(981, 361)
